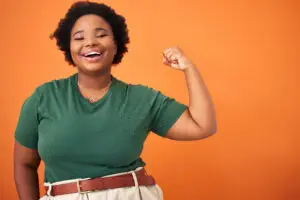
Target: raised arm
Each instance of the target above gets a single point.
(199, 120)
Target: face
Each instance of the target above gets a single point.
(92, 44)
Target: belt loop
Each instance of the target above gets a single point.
(49, 190)
(78, 186)
(136, 184)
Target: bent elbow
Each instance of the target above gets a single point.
(214, 130)
(207, 132)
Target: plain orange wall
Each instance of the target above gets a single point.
(248, 54)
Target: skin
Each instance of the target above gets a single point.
(199, 120)
(91, 32)
(26, 163)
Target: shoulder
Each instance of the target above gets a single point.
(53, 86)
(142, 91)
(134, 88)
(137, 87)
(49, 88)
(57, 84)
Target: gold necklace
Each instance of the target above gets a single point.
(93, 99)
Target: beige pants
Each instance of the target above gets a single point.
(129, 193)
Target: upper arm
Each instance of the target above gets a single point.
(165, 111)
(173, 120)
(185, 128)
(26, 133)
(26, 156)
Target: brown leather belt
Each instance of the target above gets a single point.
(102, 183)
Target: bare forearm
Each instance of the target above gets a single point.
(201, 105)
(26, 180)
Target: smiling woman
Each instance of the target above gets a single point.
(108, 118)
(92, 45)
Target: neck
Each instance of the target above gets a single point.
(94, 82)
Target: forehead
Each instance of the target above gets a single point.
(90, 21)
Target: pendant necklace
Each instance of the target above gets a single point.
(92, 99)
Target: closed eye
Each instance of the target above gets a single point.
(78, 38)
(101, 36)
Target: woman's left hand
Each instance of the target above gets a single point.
(175, 58)
(198, 121)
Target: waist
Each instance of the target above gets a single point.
(61, 170)
(127, 179)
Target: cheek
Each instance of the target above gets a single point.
(109, 44)
(113, 49)
(74, 52)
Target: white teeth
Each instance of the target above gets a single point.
(92, 53)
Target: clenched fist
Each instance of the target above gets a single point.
(175, 58)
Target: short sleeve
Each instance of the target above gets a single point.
(26, 132)
(165, 112)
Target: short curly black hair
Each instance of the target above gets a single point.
(80, 8)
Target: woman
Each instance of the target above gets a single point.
(89, 128)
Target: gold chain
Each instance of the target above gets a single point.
(92, 98)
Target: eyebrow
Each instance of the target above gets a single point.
(96, 29)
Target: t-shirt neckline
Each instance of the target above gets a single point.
(86, 101)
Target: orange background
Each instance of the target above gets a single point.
(247, 53)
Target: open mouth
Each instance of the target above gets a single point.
(92, 56)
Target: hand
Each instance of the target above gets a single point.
(175, 58)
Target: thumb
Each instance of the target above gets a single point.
(165, 61)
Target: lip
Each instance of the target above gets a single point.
(91, 50)
(92, 59)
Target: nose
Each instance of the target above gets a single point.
(91, 41)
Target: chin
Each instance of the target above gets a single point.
(96, 68)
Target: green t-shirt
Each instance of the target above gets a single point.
(79, 139)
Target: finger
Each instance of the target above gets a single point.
(166, 56)
(169, 56)
(174, 65)
(168, 51)
(173, 58)
(165, 61)
(174, 62)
